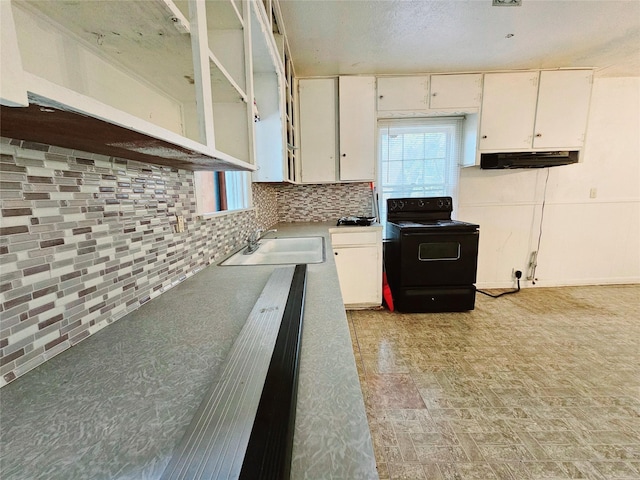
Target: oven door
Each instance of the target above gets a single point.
(438, 259)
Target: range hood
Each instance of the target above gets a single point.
(528, 159)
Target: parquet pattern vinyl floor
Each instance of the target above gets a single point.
(543, 384)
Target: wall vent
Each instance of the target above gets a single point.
(507, 3)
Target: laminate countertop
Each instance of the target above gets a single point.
(115, 405)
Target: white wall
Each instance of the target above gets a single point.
(584, 240)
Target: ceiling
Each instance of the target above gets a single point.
(330, 37)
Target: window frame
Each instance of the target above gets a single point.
(454, 156)
(218, 193)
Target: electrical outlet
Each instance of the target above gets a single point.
(180, 224)
(516, 274)
(593, 193)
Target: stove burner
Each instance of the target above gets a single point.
(433, 224)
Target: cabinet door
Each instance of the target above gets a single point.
(317, 99)
(508, 110)
(358, 273)
(12, 88)
(269, 136)
(563, 107)
(357, 128)
(403, 93)
(456, 91)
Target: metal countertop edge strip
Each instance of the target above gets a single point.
(269, 453)
(219, 431)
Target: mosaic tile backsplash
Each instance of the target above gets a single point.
(86, 239)
(323, 202)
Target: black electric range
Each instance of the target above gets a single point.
(430, 258)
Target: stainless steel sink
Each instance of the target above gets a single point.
(281, 251)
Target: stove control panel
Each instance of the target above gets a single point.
(423, 204)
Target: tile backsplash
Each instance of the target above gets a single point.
(86, 239)
(323, 202)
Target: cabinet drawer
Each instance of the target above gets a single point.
(354, 238)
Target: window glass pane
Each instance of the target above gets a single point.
(418, 157)
(413, 146)
(209, 191)
(237, 190)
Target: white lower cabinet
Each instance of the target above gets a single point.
(357, 252)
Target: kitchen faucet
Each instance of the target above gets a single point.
(254, 238)
(252, 241)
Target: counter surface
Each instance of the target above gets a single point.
(115, 405)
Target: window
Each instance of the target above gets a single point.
(237, 189)
(418, 157)
(221, 191)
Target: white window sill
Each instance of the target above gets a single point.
(204, 216)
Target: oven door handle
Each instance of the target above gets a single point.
(440, 233)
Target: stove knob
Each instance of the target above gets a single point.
(393, 205)
(447, 202)
(421, 203)
(440, 203)
(400, 204)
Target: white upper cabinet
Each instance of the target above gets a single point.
(268, 100)
(111, 52)
(357, 128)
(273, 90)
(563, 108)
(161, 81)
(292, 124)
(535, 110)
(460, 91)
(218, 43)
(337, 115)
(403, 93)
(13, 92)
(508, 110)
(318, 128)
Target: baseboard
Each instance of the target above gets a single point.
(562, 283)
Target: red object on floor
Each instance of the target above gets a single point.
(386, 292)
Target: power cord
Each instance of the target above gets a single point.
(518, 274)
